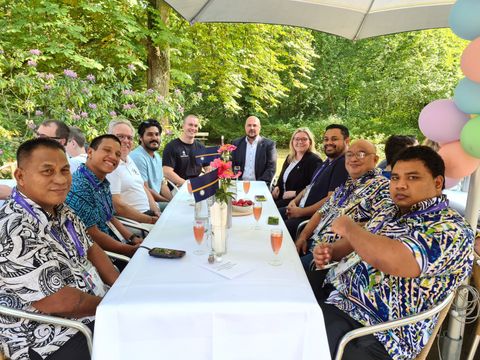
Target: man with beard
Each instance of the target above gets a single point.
(256, 155)
(131, 198)
(179, 154)
(149, 162)
(326, 178)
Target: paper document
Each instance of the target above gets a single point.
(229, 268)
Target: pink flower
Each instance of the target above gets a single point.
(177, 92)
(70, 73)
(92, 106)
(128, 92)
(128, 106)
(224, 168)
(38, 113)
(150, 91)
(1, 152)
(32, 63)
(83, 114)
(35, 52)
(227, 148)
(49, 76)
(160, 98)
(76, 117)
(47, 87)
(131, 67)
(113, 113)
(90, 77)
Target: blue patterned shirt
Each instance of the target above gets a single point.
(442, 244)
(92, 203)
(359, 198)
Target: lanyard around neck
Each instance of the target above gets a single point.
(83, 170)
(70, 228)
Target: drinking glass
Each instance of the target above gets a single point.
(276, 238)
(236, 170)
(198, 233)
(257, 213)
(246, 186)
(191, 199)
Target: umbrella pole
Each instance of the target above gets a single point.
(453, 342)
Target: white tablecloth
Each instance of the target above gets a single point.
(176, 309)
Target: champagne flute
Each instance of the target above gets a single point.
(257, 213)
(246, 186)
(198, 233)
(276, 238)
(191, 199)
(236, 170)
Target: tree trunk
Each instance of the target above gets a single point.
(158, 75)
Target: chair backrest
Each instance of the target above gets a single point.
(367, 330)
(48, 319)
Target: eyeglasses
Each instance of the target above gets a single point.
(360, 155)
(47, 137)
(300, 139)
(124, 137)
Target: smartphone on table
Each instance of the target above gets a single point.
(166, 253)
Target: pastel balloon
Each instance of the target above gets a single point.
(442, 121)
(451, 182)
(467, 96)
(458, 163)
(470, 137)
(470, 62)
(464, 19)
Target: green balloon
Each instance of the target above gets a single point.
(470, 137)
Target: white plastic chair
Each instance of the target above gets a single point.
(442, 308)
(48, 319)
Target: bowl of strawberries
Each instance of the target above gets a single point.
(242, 207)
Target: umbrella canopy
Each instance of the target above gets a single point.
(351, 19)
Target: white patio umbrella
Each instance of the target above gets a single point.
(351, 19)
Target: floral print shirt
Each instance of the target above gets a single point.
(441, 242)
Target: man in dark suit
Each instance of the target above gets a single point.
(256, 156)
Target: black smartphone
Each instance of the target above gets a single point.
(260, 198)
(166, 253)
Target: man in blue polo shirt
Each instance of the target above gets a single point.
(330, 174)
(149, 162)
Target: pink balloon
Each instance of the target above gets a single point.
(458, 163)
(442, 121)
(451, 182)
(470, 62)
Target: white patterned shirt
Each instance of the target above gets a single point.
(34, 265)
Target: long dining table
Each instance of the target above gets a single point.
(184, 309)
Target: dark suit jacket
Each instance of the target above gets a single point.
(265, 158)
(301, 174)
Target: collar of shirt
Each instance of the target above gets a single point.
(255, 142)
(99, 183)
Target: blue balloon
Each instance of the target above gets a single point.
(467, 96)
(464, 19)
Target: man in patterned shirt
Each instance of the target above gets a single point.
(403, 262)
(91, 199)
(48, 262)
(364, 193)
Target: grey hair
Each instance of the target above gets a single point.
(114, 123)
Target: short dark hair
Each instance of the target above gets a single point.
(397, 143)
(26, 149)
(429, 157)
(62, 131)
(98, 140)
(343, 129)
(77, 135)
(148, 123)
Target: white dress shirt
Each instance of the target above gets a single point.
(251, 151)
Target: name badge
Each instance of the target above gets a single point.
(343, 266)
(93, 280)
